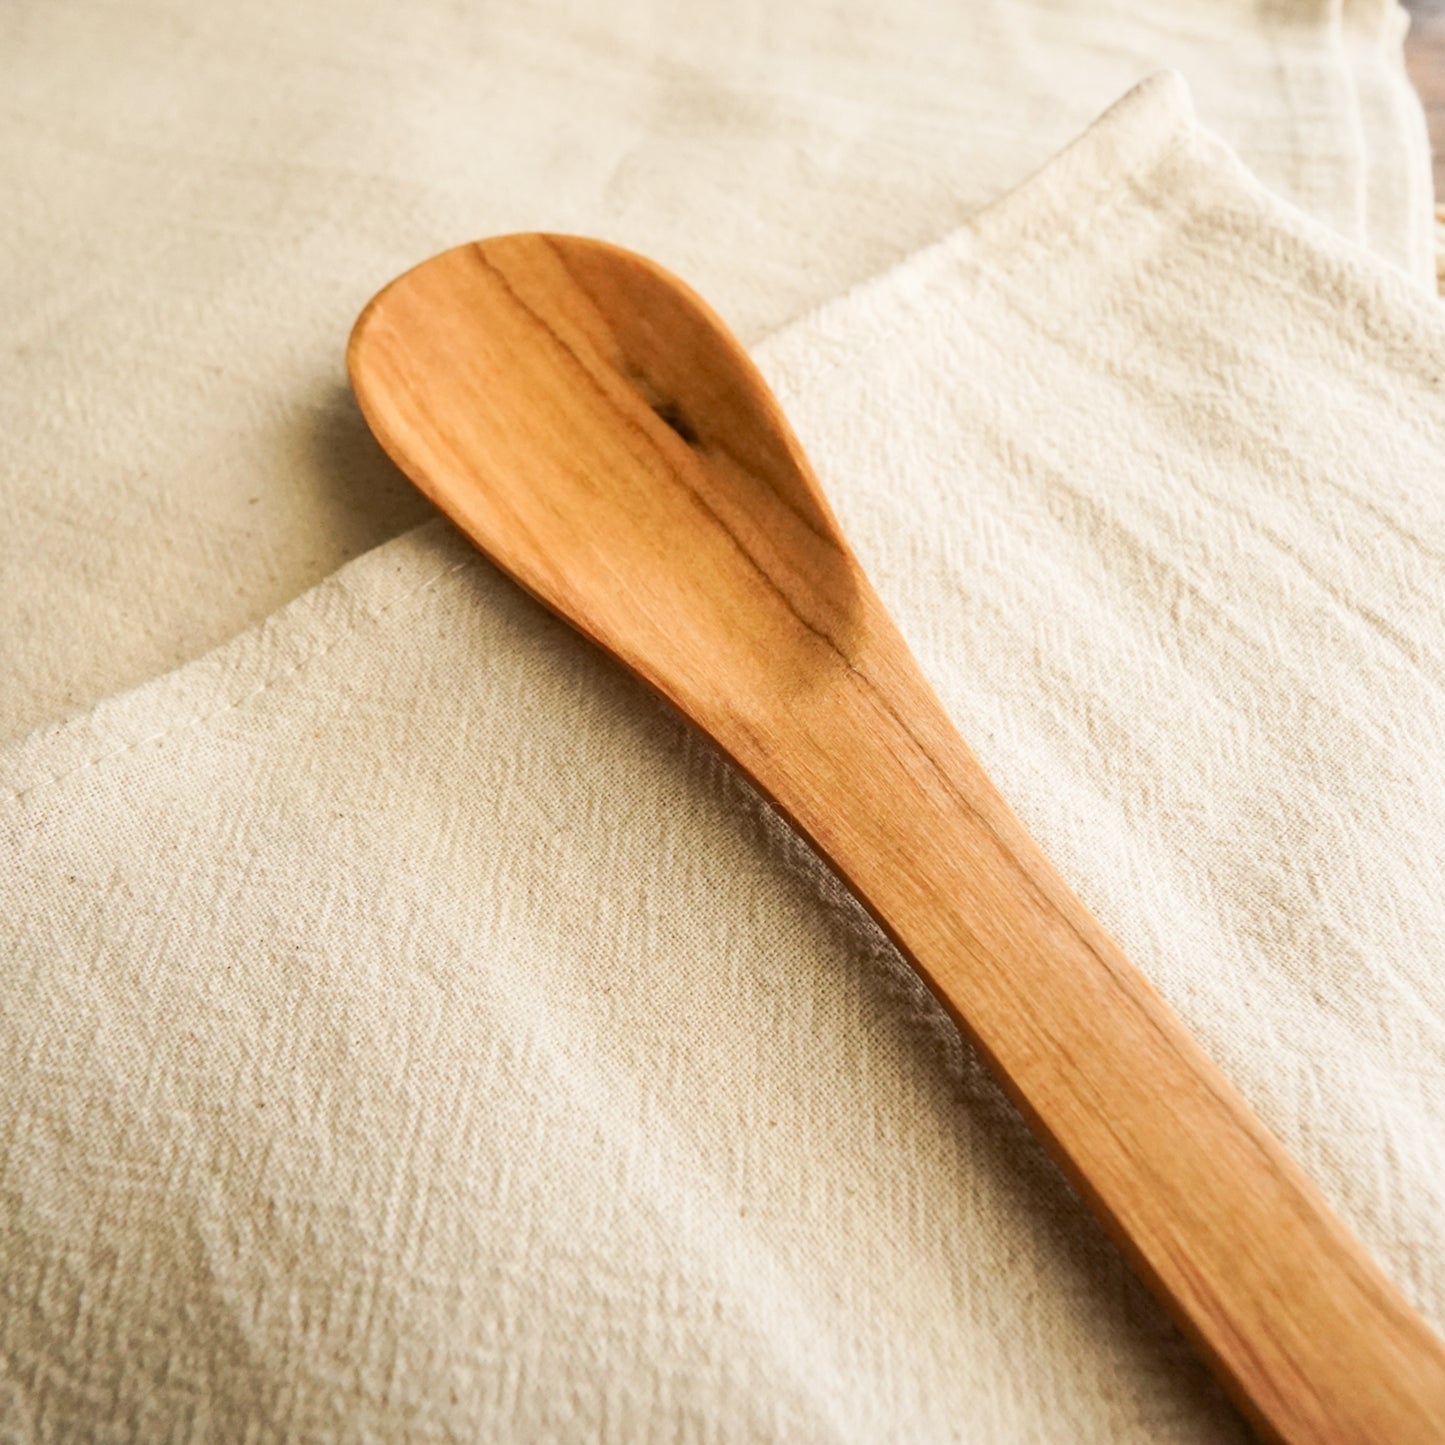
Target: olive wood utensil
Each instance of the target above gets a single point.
(596, 430)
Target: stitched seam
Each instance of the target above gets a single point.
(199, 719)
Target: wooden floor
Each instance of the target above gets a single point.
(1425, 57)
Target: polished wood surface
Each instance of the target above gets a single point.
(595, 429)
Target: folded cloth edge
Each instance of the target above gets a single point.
(1138, 132)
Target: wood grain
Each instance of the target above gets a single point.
(595, 429)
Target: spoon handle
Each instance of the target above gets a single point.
(1314, 1343)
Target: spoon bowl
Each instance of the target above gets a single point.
(617, 426)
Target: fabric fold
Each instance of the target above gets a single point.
(199, 201)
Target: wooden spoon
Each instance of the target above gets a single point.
(593, 426)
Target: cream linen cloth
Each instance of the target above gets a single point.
(412, 1030)
(198, 197)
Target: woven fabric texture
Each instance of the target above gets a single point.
(413, 1031)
